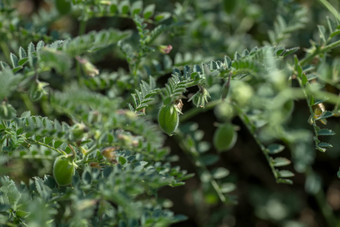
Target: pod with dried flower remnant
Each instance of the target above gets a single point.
(63, 170)
(168, 118)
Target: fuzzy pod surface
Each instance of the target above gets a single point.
(168, 118)
(225, 137)
(63, 170)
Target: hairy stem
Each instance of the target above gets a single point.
(252, 129)
(82, 27)
(331, 9)
(326, 210)
(28, 103)
(194, 156)
(318, 51)
(46, 145)
(5, 50)
(194, 111)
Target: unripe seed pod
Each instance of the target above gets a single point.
(225, 137)
(242, 93)
(63, 170)
(168, 118)
(224, 111)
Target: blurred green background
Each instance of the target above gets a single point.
(211, 30)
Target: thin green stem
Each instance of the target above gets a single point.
(194, 111)
(216, 187)
(78, 69)
(191, 84)
(326, 210)
(318, 51)
(193, 153)
(295, 93)
(28, 103)
(331, 46)
(135, 70)
(309, 93)
(329, 97)
(5, 50)
(46, 145)
(316, 140)
(252, 129)
(82, 27)
(41, 157)
(28, 140)
(331, 9)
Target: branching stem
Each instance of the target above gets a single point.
(318, 51)
(252, 129)
(46, 145)
(193, 153)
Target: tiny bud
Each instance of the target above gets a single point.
(165, 49)
(88, 67)
(110, 154)
(95, 165)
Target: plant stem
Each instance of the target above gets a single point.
(28, 103)
(41, 157)
(193, 153)
(316, 140)
(82, 27)
(5, 50)
(78, 68)
(331, 46)
(329, 97)
(193, 112)
(321, 50)
(325, 208)
(46, 145)
(331, 9)
(252, 129)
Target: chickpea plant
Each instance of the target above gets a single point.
(86, 114)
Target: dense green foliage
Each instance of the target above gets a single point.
(87, 79)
